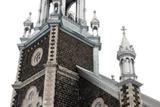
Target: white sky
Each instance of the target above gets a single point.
(141, 17)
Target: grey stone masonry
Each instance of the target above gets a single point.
(88, 92)
(67, 89)
(129, 93)
(49, 85)
(51, 69)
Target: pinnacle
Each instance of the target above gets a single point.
(94, 17)
(125, 47)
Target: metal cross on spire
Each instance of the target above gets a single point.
(124, 30)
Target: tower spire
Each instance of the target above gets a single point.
(126, 55)
(125, 43)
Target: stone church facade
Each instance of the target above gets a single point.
(59, 63)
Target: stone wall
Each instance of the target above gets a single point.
(89, 92)
(26, 69)
(130, 95)
(67, 92)
(21, 93)
(71, 93)
(72, 52)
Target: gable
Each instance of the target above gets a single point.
(88, 92)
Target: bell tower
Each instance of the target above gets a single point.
(47, 71)
(60, 8)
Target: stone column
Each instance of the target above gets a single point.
(42, 11)
(51, 69)
(47, 9)
(96, 50)
(129, 92)
(77, 10)
(49, 86)
(82, 9)
(81, 12)
(63, 7)
(96, 60)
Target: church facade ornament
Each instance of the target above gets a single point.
(32, 98)
(98, 102)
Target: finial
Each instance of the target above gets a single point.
(113, 77)
(28, 26)
(94, 12)
(95, 24)
(29, 17)
(124, 30)
(30, 13)
(125, 47)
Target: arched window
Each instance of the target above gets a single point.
(71, 11)
(98, 102)
(32, 98)
(30, 105)
(39, 105)
(56, 7)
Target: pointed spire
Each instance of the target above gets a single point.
(125, 43)
(125, 47)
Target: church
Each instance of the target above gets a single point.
(59, 63)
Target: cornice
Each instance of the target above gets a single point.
(35, 37)
(61, 70)
(68, 73)
(19, 85)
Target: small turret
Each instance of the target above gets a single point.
(95, 24)
(28, 26)
(126, 55)
(129, 87)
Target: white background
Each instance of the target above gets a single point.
(141, 17)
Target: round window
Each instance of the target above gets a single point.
(36, 57)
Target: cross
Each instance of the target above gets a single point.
(124, 30)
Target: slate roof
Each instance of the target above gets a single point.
(109, 86)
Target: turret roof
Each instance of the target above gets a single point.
(125, 48)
